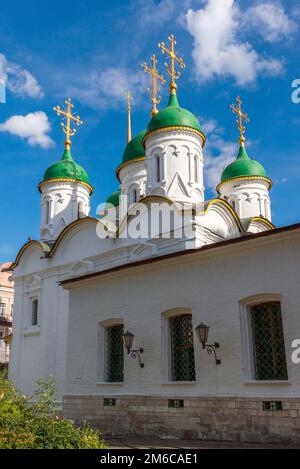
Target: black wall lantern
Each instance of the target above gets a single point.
(128, 338)
(202, 333)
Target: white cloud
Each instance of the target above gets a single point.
(217, 154)
(107, 88)
(33, 127)
(218, 51)
(270, 21)
(153, 13)
(19, 80)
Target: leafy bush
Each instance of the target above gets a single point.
(34, 424)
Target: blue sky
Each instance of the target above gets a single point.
(91, 51)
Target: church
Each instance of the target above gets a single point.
(167, 315)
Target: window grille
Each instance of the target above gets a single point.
(176, 403)
(268, 342)
(182, 348)
(272, 406)
(108, 402)
(114, 354)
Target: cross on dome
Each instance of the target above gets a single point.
(70, 118)
(241, 117)
(173, 59)
(153, 94)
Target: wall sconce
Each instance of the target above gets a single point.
(202, 333)
(128, 338)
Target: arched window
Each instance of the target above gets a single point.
(158, 168)
(134, 196)
(196, 168)
(47, 213)
(182, 348)
(80, 213)
(266, 206)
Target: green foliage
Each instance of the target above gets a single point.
(33, 423)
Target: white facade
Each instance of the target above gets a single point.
(210, 284)
(175, 166)
(249, 197)
(45, 322)
(133, 178)
(62, 202)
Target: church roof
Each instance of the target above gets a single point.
(66, 168)
(189, 252)
(114, 198)
(174, 116)
(243, 166)
(134, 149)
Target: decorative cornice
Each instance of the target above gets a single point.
(126, 163)
(42, 246)
(144, 200)
(174, 128)
(45, 248)
(265, 221)
(203, 250)
(66, 230)
(246, 178)
(219, 201)
(41, 184)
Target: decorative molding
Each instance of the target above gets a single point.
(178, 129)
(246, 178)
(65, 180)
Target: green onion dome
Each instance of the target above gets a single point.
(134, 149)
(174, 116)
(243, 166)
(66, 168)
(114, 198)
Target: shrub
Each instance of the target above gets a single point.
(33, 423)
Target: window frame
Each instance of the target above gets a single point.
(166, 363)
(102, 351)
(3, 307)
(246, 336)
(28, 328)
(34, 300)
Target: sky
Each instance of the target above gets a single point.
(91, 51)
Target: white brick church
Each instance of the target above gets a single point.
(218, 264)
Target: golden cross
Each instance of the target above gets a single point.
(70, 118)
(129, 101)
(153, 94)
(241, 117)
(174, 58)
